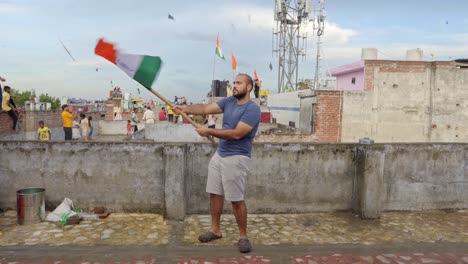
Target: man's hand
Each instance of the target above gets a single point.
(178, 109)
(203, 131)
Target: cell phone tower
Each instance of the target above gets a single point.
(319, 27)
(288, 43)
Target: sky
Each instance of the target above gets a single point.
(31, 56)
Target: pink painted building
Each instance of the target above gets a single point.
(350, 77)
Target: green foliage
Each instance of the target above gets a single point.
(305, 84)
(20, 98)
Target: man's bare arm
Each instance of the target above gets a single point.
(241, 130)
(198, 109)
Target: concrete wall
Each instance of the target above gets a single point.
(119, 176)
(285, 107)
(116, 127)
(408, 102)
(170, 132)
(170, 178)
(425, 176)
(285, 178)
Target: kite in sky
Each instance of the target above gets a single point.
(169, 16)
(271, 66)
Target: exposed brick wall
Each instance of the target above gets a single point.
(328, 116)
(6, 123)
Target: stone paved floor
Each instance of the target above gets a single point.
(438, 236)
(334, 228)
(117, 229)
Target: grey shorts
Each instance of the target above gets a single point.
(227, 176)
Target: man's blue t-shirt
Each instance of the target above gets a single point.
(248, 113)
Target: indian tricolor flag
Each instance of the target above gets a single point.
(143, 69)
(218, 48)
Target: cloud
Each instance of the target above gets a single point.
(10, 8)
(334, 34)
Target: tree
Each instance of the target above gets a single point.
(305, 84)
(55, 102)
(20, 98)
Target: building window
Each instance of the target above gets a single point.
(353, 80)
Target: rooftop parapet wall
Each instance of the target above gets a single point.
(170, 178)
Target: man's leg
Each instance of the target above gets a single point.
(240, 212)
(68, 133)
(214, 187)
(14, 117)
(216, 209)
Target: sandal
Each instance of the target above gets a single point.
(244, 245)
(208, 236)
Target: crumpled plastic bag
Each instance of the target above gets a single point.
(62, 212)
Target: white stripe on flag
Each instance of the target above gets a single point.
(129, 63)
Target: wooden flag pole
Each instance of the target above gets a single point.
(184, 115)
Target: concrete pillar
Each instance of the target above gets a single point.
(370, 182)
(174, 187)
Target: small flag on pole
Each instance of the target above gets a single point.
(218, 48)
(142, 68)
(234, 62)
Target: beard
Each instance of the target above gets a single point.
(240, 95)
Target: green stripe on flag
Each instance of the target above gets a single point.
(218, 52)
(148, 70)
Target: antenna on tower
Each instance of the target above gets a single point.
(290, 16)
(319, 27)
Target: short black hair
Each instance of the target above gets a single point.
(82, 115)
(41, 122)
(6, 88)
(249, 79)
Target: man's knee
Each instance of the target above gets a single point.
(238, 204)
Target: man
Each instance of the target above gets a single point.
(1, 95)
(135, 120)
(230, 165)
(170, 114)
(228, 89)
(162, 114)
(257, 88)
(148, 116)
(9, 107)
(67, 119)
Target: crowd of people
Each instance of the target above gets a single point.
(75, 126)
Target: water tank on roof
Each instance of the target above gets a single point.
(369, 54)
(414, 55)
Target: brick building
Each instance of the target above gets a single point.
(388, 101)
